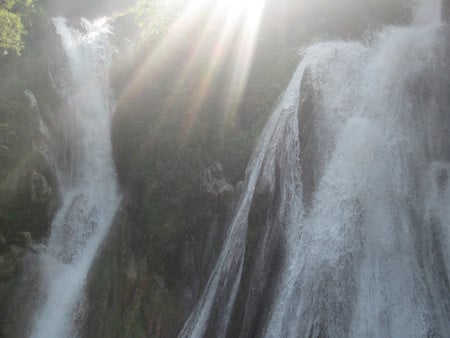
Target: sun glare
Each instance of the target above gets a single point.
(239, 22)
(247, 13)
(249, 5)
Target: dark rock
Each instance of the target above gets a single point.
(446, 10)
(40, 189)
(9, 263)
(24, 239)
(308, 137)
(214, 181)
(3, 244)
(159, 280)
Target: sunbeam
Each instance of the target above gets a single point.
(234, 27)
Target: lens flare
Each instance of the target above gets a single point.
(238, 22)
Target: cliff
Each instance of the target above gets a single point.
(180, 163)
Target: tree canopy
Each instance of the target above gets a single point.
(12, 27)
(155, 16)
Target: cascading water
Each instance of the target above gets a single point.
(87, 179)
(222, 286)
(358, 154)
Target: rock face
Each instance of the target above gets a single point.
(168, 233)
(446, 10)
(27, 191)
(11, 272)
(40, 189)
(9, 263)
(24, 239)
(214, 180)
(3, 244)
(156, 271)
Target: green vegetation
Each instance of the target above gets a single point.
(19, 134)
(153, 16)
(164, 141)
(165, 136)
(14, 22)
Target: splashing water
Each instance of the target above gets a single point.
(362, 179)
(87, 179)
(224, 281)
(428, 12)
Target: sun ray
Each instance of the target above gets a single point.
(220, 52)
(154, 62)
(236, 23)
(189, 68)
(246, 49)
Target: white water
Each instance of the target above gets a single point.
(87, 179)
(224, 281)
(368, 254)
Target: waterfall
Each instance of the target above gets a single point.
(87, 179)
(357, 153)
(224, 281)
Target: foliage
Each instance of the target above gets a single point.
(13, 23)
(18, 121)
(156, 16)
(11, 31)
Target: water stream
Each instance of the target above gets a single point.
(86, 176)
(358, 153)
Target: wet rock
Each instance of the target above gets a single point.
(131, 271)
(24, 239)
(43, 199)
(308, 137)
(446, 10)
(40, 189)
(3, 244)
(188, 300)
(10, 263)
(7, 270)
(214, 181)
(159, 280)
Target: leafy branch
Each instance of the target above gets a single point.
(12, 29)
